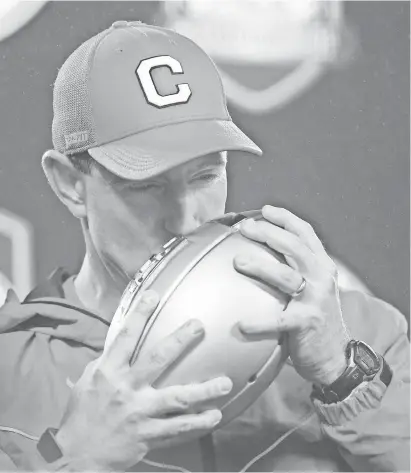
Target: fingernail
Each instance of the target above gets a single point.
(250, 223)
(195, 327)
(226, 385)
(216, 416)
(247, 327)
(242, 261)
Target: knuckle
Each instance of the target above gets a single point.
(322, 289)
(182, 400)
(290, 277)
(141, 374)
(295, 241)
(317, 320)
(297, 246)
(120, 396)
(157, 357)
(185, 426)
(123, 332)
(316, 316)
(101, 373)
(135, 418)
(307, 227)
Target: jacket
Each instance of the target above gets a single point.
(47, 340)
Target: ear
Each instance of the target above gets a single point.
(66, 181)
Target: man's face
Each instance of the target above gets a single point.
(128, 221)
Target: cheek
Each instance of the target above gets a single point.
(212, 201)
(121, 228)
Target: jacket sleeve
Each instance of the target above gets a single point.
(6, 464)
(372, 426)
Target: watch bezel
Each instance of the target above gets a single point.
(352, 376)
(359, 359)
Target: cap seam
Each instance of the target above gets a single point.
(132, 132)
(93, 56)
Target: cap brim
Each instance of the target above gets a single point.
(155, 151)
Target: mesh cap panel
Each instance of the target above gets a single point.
(73, 126)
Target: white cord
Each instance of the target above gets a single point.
(19, 432)
(183, 470)
(148, 462)
(250, 463)
(165, 466)
(276, 443)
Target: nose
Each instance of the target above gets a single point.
(182, 214)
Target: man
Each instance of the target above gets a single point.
(140, 136)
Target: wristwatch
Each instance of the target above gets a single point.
(363, 364)
(48, 447)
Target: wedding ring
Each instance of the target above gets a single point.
(300, 289)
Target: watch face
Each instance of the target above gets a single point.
(366, 359)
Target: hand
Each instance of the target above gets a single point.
(313, 320)
(115, 417)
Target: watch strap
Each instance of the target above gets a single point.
(385, 374)
(342, 387)
(48, 446)
(353, 377)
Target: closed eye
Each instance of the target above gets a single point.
(210, 177)
(143, 187)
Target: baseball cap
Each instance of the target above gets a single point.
(142, 99)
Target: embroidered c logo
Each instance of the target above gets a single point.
(148, 86)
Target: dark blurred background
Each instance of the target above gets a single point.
(338, 155)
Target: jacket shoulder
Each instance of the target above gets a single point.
(372, 320)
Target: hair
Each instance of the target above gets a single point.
(83, 162)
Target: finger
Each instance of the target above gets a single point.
(153, 364)
(299, 227)
(297, 254)
(270, 271)
(285, 321)
(188, 424)
(177, 399)
(130, 329)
